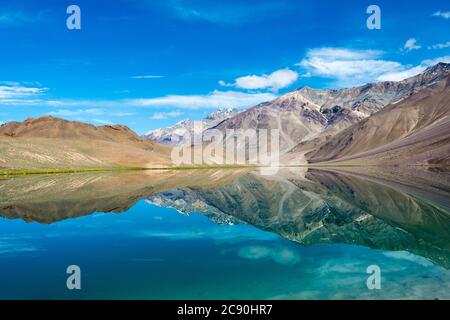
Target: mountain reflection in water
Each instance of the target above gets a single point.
(381, 209)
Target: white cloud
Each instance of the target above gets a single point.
(349, 67)
(440, 45)
(432, 62)
(343, 54)
(122, 114)
(445, 15)
(306, 75)
(147, 77)
(355, 67)
(412, 71)
(13, 91)
(165, 115)
(214, 99)
(68, 113)
(102, 121)
(88, 112)
(411, 44)
(276, 80)
(17, 95)
(401, 75)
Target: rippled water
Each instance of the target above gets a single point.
(226, 234)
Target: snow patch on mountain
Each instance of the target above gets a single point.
(181, 132)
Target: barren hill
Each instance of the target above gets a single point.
(49, 142)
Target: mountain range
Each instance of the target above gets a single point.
(181, 132)
(324, 125)
(395, 123)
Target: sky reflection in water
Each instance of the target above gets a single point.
(154, 252)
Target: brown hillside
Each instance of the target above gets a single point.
(49, 142)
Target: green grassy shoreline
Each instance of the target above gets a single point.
(44, 171)
(23, 172)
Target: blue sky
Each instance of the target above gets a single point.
(148, 64)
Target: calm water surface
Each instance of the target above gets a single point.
(229, 234)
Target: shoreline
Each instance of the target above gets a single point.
(46, 171)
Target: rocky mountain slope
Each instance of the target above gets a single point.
(413, 131)
(181, 132)
(308, 115)
(49, 142)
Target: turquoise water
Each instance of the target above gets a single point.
(155, 252)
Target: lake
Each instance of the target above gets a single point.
(299, 233)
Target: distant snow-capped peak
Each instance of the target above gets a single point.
(180, 133)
